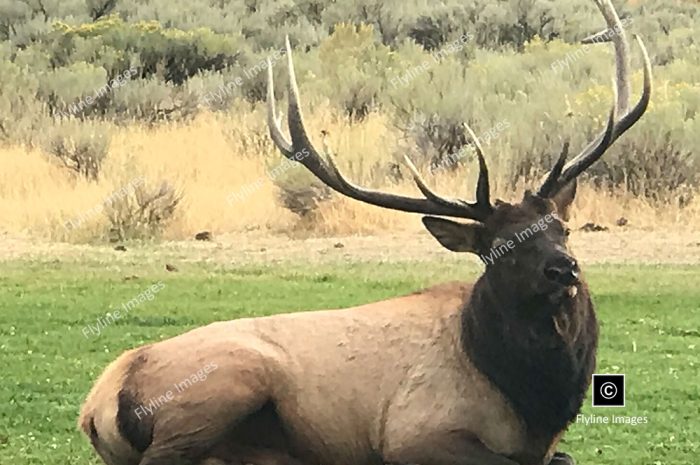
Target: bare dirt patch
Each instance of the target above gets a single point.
(615, 247)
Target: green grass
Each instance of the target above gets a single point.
(650, 320)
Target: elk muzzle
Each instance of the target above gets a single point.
(563, 269)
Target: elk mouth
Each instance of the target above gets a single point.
(563, 293)
(564, 276)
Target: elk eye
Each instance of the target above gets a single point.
(567, 232)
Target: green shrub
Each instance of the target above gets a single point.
(22, 117)
(427, 92)
(73, 90)
(350, 68)
(152, 101)
(142, 211)
(171, 54)
(431, 139)
(659, 160)
(516, 62)
(302, 197)
(653, 168)
(80, 147)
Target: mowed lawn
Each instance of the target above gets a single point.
(650, 330)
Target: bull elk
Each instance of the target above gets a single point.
(489, 373)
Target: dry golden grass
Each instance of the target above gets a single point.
(217, 156)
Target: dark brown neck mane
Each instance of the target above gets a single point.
(539, 355)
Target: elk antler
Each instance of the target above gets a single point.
(615, 33)
(561, 175)
(301, 150)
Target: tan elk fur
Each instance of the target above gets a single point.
(390, 371)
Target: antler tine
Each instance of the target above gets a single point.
(301, 150)
(641, 107)
(305, 152)
(614, 129)
(483, 189)
(273, 122)
(435, 204)
(553, 175)
(579, 165)
(429, 193)
(617, 35)
(613, 33)
(482, 204)
(595, 149)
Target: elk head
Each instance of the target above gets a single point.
(524, 244)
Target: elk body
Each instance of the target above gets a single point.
(489, 373)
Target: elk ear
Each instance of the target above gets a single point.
(457, 237)
(564, 198)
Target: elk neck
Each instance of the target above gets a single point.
(540, 355)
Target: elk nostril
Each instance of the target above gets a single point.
(564, 271)
(552, 273)
(574, 274)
